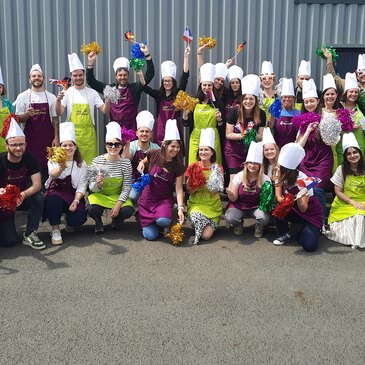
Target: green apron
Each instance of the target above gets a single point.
(4, 112)
(84, 131)
(109, 195)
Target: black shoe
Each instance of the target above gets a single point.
(99, 227)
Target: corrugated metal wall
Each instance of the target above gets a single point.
(44, 31)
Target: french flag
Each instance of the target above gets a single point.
(187, 35)
(210, 95)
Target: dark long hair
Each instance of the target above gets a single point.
(164, 147)
(256, 111)
(174, 89)
(289, 176)
(4, 90)
(346, 169)
(201, 96)
(336, 105)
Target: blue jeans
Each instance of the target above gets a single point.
(34, 207)
(134, 195)
(152, 231)
(321, 196)
(308, 235)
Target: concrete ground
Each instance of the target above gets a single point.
(118, 299)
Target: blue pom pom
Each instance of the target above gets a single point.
(136, 51)
(142, 182)
(275, 108)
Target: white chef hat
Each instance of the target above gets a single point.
(267, 137)
(304, 68)
(145, 119)
(14, 130)
(36, 67)
(361, 62)
(207, 72)
(207, 137)
(74, 62)
(234, 72)
(255, 152)
(171, 131)
(329, 82)
(121, 62)
(266, 68)
(67, 132)
(291, 155)
(349, 140)
(287, 88)
(1, 77)
(168, 69)
(250, 84)
(309, 89)
(220, 70)
(350, 81)
(113, 130)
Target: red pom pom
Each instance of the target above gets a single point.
(196, 176)
(11, 198)
(283, 209)
(6, 125)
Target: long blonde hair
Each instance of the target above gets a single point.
(259, 174)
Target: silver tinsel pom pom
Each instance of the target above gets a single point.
(94, 170)
(216, 180)
(111, 93)
(278, 88)
(330, 129)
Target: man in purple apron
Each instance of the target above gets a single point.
(36, 110)
(125, 112)
(21, 169)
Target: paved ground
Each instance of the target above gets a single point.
(117, 299)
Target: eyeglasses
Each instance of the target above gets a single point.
(304, 78)
(15, 145)
(115, 144)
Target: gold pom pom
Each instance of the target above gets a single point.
(57, 154)
(184, 101)
(176, 234)
(209, 41)
(91, 47)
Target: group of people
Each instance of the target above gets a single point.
(259, 142)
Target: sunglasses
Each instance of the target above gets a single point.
(115, 144)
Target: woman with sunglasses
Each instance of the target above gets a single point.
(110, 182)
(267, 94)
(66, 187)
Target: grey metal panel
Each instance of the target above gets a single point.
(44, 31)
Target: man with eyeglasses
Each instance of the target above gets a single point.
(125, 111)
(20, 168)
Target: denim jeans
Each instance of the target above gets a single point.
(152, 231)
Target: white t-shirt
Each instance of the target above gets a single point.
(134, 147)
(337, 178)
(27, 97)
(237, 179)
(84, 96)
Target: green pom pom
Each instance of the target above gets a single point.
(333, 52)
(266, 197)
(362, 99)
(249, 137)
(136, 63)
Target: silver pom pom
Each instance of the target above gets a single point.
(261, 97)
(330, 129)
(111, 93)
(94, 170)
(216, 180)
(278, 88)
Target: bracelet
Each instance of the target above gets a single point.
(200, 53)
(181, 207)
(147, 55)
(77, 201)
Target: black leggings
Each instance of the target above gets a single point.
(95, 211)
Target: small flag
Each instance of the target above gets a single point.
(308, 182)
(187, 35)
(210, 95)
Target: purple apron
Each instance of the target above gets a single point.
(314, 212)
(284, 130)
(248, 198)
(39, 131)
(63, 188)
(156, 200)
(137, 158)
(125, 112)
(235, 151)
(232, 104)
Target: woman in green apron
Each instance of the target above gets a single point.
(5, 109)
(110, 182)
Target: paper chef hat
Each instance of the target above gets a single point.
(255, 152)
(74, 62)
(291, 155)
(207, 72)
(349, 140)
(329, 82)
(234, 72)
(361, 62)
(171, 131)
(14, 130)
(121, 62)
(350, 81)
(1, 77)
(305, 68)
(267, 137)
(266, 68)
(207, 138)
(36, 67)
(145, 119)
(67, 132)
(168, 69)
(288, 87)
(113, 130)
(250, 84)
(309, 89)
(220, 70)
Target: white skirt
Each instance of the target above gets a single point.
(349, 232)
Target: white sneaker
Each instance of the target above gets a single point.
(33, 241)
(56, 237)
(281, 240)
